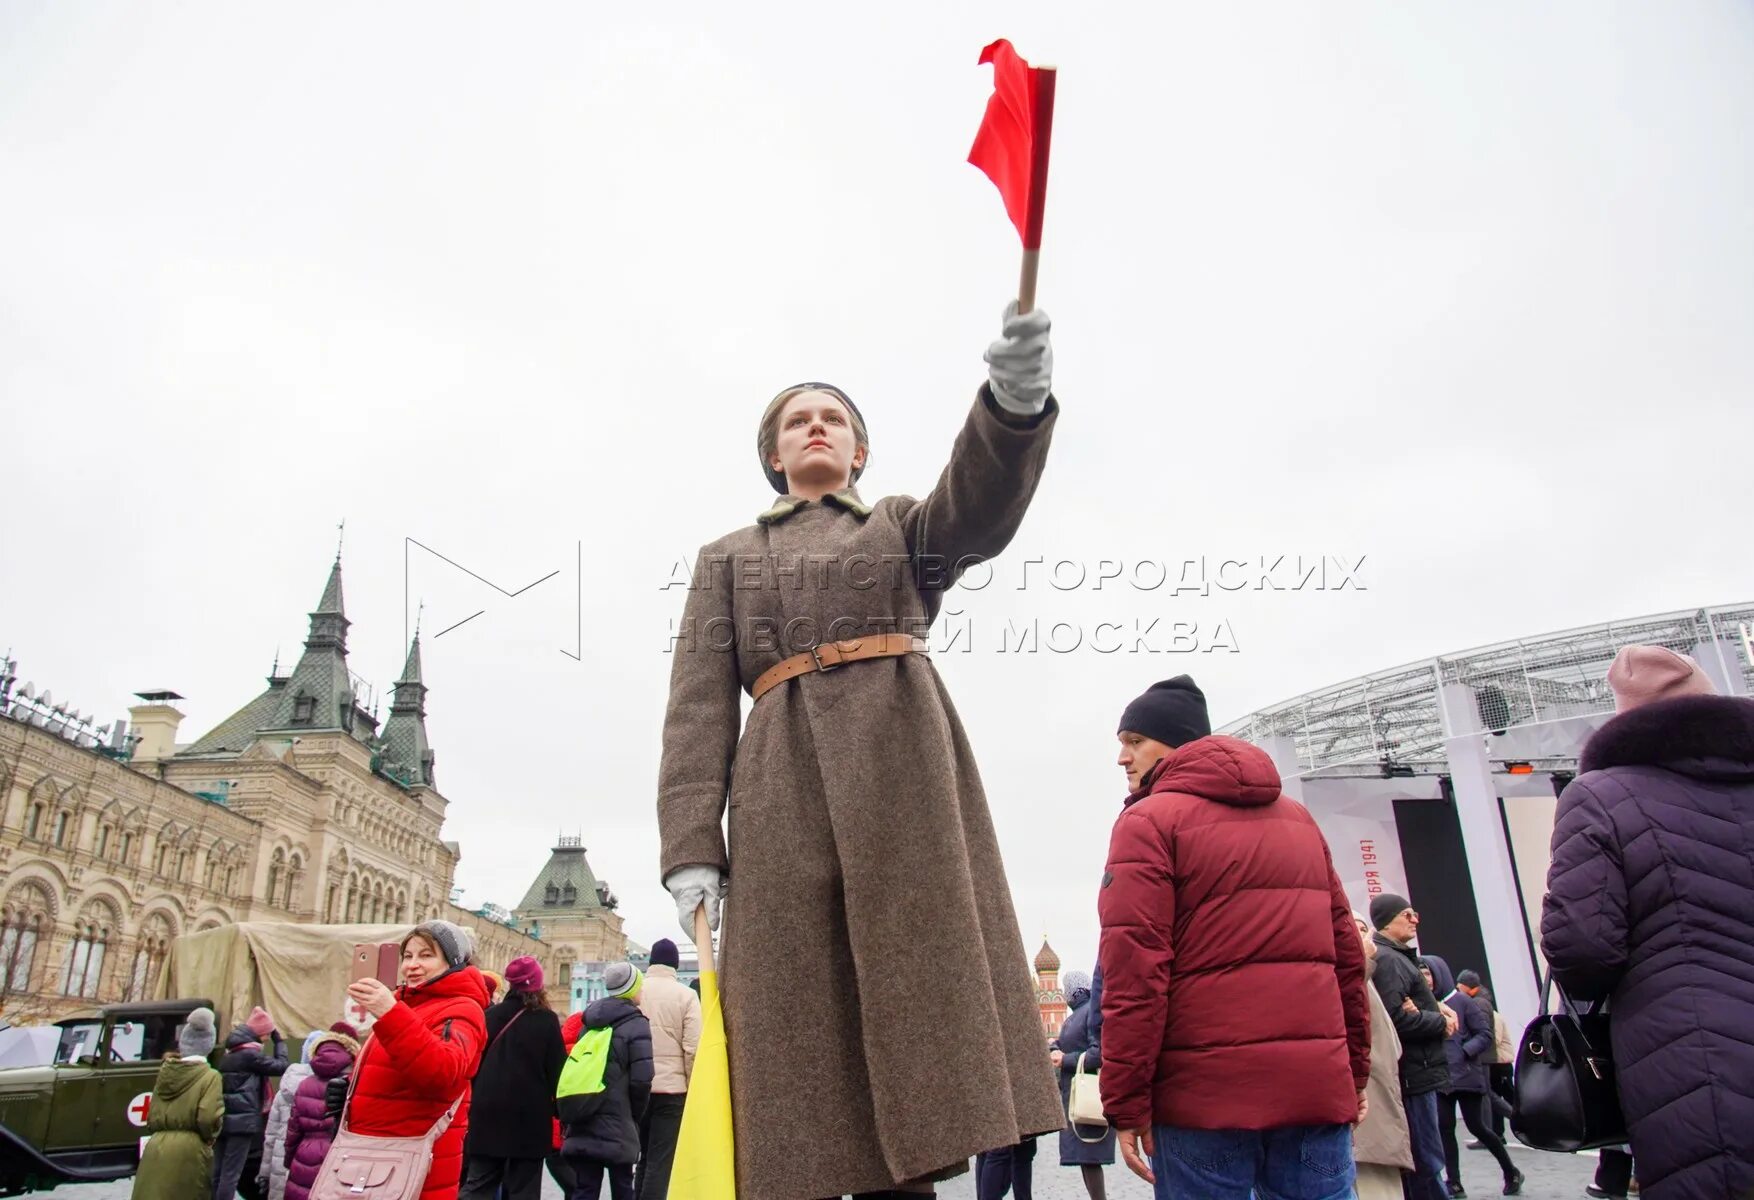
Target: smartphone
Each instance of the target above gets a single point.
(389, 964)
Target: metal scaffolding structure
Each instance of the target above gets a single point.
(1391, 721)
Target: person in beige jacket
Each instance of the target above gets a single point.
(673, 1010)
(1380, 1145)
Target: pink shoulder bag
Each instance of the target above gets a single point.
(360, 1167)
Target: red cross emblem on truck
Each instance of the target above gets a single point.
(139, 1108)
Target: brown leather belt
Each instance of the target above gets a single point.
(830, 655)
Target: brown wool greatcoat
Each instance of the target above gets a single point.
(878, 1006)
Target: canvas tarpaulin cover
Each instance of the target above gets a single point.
(299, 973)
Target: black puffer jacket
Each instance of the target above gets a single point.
(1424, 1063)
(604, 1127)
(243, 1076)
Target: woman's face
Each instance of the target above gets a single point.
(421, 961)
(1426, 973)
(816, 444)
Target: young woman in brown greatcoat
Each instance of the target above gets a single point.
(866, 874)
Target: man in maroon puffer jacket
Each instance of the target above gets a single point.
(1236, 1030)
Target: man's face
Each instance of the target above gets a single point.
(1404, 928)
(1138, 755)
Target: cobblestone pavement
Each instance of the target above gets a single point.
(1551, 1177)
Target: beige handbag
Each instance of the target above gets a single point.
(360, 1167)
(1505, 1049)
(1083, 1105)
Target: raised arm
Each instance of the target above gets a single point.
(983, 493)
(436, 1064)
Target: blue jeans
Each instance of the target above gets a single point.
(1300, 1162)
(1423, 1131)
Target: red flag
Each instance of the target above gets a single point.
(1012, 144)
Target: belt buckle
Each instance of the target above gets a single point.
(822, 667)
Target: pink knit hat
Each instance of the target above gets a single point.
(1641, 674)
(260, 1023)
(524, 974)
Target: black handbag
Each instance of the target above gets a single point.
(1566, 1097)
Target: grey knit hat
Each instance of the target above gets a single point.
(195, 1038)
(455, 944)
(621, 979)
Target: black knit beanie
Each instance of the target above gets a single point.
(1172, 712)
(778, 478)
(1385, 907)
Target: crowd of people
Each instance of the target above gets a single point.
(1251, 1035)
(1219, 902)
(484, 1078)
(1220, 899)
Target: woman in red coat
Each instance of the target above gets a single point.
(426, 1043)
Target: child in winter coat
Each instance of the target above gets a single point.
(271, 1174)
(313, 1124)
(244, 1070)
(183, 1119)
(602, 1124)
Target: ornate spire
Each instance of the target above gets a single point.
(319, 695)
(407, 756)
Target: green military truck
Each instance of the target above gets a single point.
(81, 1118)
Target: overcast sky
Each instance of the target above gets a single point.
(1461, 290)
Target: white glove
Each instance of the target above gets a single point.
(693, 886)
(1021, 364)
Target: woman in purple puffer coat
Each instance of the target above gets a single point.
(310, 1129)
(1650, 904)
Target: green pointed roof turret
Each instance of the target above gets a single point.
(319, 694)
(408, 757)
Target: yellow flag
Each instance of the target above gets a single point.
(706, 1158)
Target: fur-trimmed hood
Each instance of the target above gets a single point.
(1704, 737)
(351, 1045)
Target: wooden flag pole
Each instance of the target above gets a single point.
(1043, 128)
(703, 939)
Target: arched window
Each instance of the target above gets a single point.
(84, 966)
(182, 864)
(61, 819)
(103, 841)
(23, 921)
(127, 847)
(212, 872)
(33, 823)
(154, 943)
